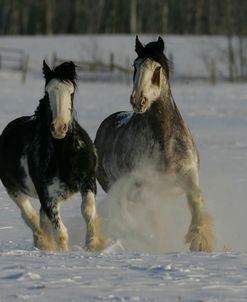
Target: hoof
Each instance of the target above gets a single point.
(95, 241)
(201, 239)
(95, 244)
(201, 244)
(63, 243)
(42, 242)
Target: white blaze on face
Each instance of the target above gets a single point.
(145, 90)
(61, 105)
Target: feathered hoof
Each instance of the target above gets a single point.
(42, 242)
(201, 239)
(96, 244)
(62, 243)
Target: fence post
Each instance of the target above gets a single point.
(25, 68)
(213, 72)
(111, 62)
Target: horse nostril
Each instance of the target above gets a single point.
(64, 127)
(143, 101)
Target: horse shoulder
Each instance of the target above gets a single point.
(181, 151)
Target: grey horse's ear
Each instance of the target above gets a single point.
(47, 72)
(161, 44)
(139, 48)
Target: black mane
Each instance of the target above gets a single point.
(155, 51)
(43, 109)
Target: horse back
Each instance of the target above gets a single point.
(14, 141)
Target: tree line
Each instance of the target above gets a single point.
(211, 17)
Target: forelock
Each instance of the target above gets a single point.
(151, 50)
(65, 72)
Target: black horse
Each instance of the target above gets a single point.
(155, 133)
(50, 157)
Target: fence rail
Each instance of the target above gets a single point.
(14, 59)
(98, 70)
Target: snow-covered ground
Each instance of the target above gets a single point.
(140, 264)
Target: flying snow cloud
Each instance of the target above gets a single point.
(144, 213)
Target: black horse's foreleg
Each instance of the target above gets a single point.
(46, 227)
(52, 209)
(94, 238)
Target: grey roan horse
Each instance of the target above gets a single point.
(50, 157)
(157, 131)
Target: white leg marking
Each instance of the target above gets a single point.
(59, 229)
(94, 238)
(29, 214)
(31, 218)
(200, 234)
(89, 209)
(61, 236)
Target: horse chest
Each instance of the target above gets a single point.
(53, 169)
(132, 145)
(57, 189)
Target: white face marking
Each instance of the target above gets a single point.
(61, 105)
(144, 90)
(28, 181)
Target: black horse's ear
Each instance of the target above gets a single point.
(47, 72)
(161, 44)
(139, 48)
(72, 66)
(72, 63)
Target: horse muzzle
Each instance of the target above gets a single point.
(59, 130)
(139, 105)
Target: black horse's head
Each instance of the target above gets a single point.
(60, 85)
(151, 70)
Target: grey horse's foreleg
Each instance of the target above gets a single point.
(200, 235)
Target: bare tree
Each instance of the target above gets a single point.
(133, 23)
(49, 11)
(122, 16)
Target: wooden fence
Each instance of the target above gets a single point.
(99, 70)
(14, 59)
